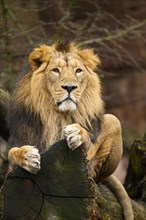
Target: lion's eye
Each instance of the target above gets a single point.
(79, 70)
(56, 70)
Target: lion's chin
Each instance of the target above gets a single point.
(67, 105)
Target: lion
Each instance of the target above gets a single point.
(60, 97)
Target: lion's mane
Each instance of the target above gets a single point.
(33, 117)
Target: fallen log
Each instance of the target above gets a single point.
(61, 190)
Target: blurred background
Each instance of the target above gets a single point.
(115, 29)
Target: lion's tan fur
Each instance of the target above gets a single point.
(40, 100)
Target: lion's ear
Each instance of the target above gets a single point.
(89, 58)
(39, 55)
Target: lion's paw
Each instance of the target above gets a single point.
(73, 136)
(29, 158)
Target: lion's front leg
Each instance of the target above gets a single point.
(77, 135)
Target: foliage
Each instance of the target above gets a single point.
(90, 22)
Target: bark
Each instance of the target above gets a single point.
(62, 189)
(4, 133)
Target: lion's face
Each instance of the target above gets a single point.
(67, 75)
(66, 80)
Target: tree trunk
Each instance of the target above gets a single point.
(135, 182)
(61, 190)
(4, 102)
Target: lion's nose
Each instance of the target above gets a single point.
(69, 89)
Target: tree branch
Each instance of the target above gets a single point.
(114, 36)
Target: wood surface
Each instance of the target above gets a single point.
(61, 190)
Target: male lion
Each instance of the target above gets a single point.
(61, 98)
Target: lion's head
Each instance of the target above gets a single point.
(63, 87)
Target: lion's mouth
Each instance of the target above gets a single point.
(67, 99)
